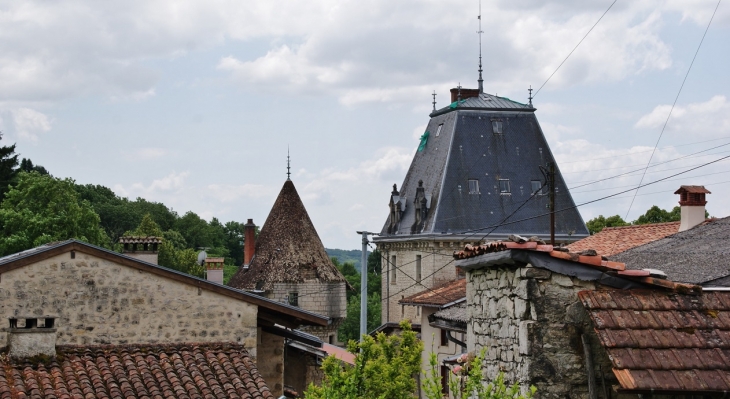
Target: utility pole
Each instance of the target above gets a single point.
(551, 178)
(364, 283)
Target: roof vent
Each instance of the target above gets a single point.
(31, 336)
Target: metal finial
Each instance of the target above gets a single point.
(530, 97)
(481, 81)
(434, 100)
(458, 97)
(288, 165)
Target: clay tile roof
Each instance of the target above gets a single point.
(693, 190)
(664, 342)
(170, 371)
(288, 249)
(438, 296)
(140, 240)
(613, 240)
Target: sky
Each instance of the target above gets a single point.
(196, 104)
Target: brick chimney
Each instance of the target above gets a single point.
(214, 269)
(692, 202)
(142, 248)
(249, 242)
(31, 336)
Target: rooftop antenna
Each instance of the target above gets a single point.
(458, 97)
(288, 166)
(434, 100)
(481, 81)
(530, 97)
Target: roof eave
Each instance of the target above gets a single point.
(446, 110)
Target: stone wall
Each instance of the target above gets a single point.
(301, 369)
(97, 301)
(531, 322)
(271, 351)
(434, 256)
(327, 299)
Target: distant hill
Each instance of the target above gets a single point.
(344, 255)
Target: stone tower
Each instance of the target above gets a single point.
(477, 176)
(290, 264)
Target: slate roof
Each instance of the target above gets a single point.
(466, 148)
(288, 248)
(438, 296)
(135, 371)
(664, 342)
(456, 313)
(613, 240)
(696, 256)
(486, 101)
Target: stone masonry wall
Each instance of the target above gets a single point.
(327, 299)
(434, 257)
(531, 322)
(271, 351)
(100, 302)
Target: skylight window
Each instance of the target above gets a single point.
(473, 186)
(438, 131)
(504, 186)
(497, 126)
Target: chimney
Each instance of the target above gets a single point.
(31, 336)
(214, 270)
(142, 248)
(249, 242)
(692, 202)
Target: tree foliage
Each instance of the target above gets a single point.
(172, 252)
(658, 215)
(599, 223)
(40, 209)
(350, 327)
(8, 164)
(385, 368)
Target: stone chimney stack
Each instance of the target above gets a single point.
(31, 336)
(143, 248)
(214, 269)
(249, 242)
(692, 202)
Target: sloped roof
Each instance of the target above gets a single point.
(438, 296)
(696, 256)
(456, 313)
(288, 248)
(466, 148)
(693, 190)
(136, 371)
(284, 313)
(488, 102)
(613, 240)
(664, 343)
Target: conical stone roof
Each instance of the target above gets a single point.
(288, 249)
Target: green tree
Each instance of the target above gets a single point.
(385, 367)
(40, 209)
(26, 165)
(8, 167)
(350, 327)
(658, 215)
(599, 223)
(172, 253)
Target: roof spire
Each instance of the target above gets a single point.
(434, 100)
(458, 98)
(530, 97)
(481, 81)
(288, 166)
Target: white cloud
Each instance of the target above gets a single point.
(172, 183)
(706, 119)
(146, 153)
(29, 123)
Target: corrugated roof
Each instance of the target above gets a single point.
(696, 256)
(136, 371)
(438, 296)
(468, 149)
(664, 342)
(288, 248)
(613, 240)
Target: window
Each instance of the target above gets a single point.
(438, 130)
(294, 298)
(504, 186)
(418, 268)
(393, 270)
(444, 338)
(536, 187)
(445, 380)
(473, 186)
(497, 126)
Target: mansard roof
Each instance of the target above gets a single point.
(288, 249)
(466, 166)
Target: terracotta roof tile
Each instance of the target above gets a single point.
(659, 341)
(613, 240)
(146, 371)
(438, 296)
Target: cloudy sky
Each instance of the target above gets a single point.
(194, 104)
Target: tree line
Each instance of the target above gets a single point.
(652, 215)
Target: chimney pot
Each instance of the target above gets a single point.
(692, 205)
(37, 336)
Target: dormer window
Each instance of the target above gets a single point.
(497, 126)
(473, 186)
(504, 186)
(438, 130)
